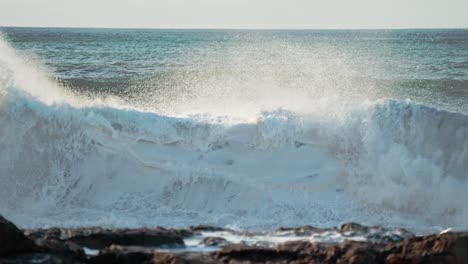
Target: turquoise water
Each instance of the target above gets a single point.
(430, 66)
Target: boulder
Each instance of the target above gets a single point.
(13, 241)
(214, 242)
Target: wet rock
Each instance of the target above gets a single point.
(181, 232)
(305, 252)
(306, 230)
(374, 234)
(123, 255)
(61, 245)
(40, 258)
(361, 252)
(384, 235)
(142, 255)
(65, 249)
(353, 227)
(350, 231)
(98, 238)
(443, 248)
(13, 241)
(51, 233)
(140, 237)
(246, 254)
(214, 242)
(16, 247)
(206, 228)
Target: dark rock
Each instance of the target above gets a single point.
(206, 228)
(353, 227)
(446, 248)
(214, 241)
(136, 237)
(141, 255)
(361, 252)
(51, 233)
(241, 253)
(65, 249)
(39, 258)
(123, 255)
(306, 230)
(99, 238)
(347, 252)
(443, 248)
(13, 241)
(181, 232)
(59, 245)
(374, 234)
(308, 252)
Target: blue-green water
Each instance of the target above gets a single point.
(423, 65)
(245, 128)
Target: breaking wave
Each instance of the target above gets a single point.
(67, 160)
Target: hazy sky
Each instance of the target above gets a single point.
(236, 13)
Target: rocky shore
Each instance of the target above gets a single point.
(351, 243)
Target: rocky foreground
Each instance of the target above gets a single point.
(160, 245)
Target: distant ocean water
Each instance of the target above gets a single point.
(241, 128)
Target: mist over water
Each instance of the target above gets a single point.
(251, 129)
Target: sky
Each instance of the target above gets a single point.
(262, 14)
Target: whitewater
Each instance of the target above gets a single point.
(303, 157)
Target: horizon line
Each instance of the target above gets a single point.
(234, 28)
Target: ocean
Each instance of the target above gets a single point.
(246, 129)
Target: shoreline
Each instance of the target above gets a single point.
(349, 243)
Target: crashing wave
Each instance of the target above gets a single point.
(72, 161)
